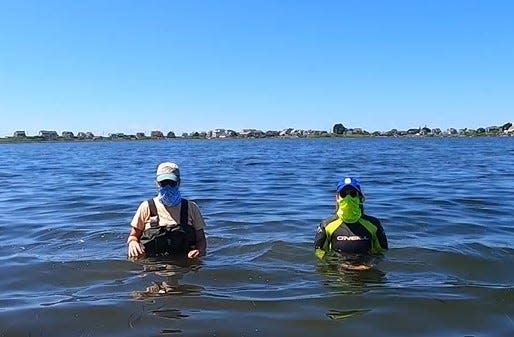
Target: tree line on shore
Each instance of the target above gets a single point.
(338, 130)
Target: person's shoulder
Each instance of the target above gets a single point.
(328, 220)
(144, 203)
(143, 209)
(191, 202)
(155, 198)
(371, 219)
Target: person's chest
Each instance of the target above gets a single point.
(351, 238)
(166, 216)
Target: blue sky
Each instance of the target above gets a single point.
(130, 66)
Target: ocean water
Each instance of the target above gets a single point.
(446, 205)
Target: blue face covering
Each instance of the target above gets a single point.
(170, 196)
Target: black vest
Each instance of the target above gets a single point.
(169, 240)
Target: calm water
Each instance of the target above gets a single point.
(446, 204)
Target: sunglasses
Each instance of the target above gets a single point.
(168, 183)
(351, 193)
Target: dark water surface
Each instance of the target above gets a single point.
(446, 204)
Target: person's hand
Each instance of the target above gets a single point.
(135, 248)
(193, 253)
(319, 253)
(356, 267)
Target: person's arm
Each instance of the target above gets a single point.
(198, 224)
(381, 236)
(135, 235)
(319, 241)
(135, 248)
(201, 242)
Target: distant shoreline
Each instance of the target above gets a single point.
(338, 131)
(37, 139)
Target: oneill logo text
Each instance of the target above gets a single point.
(351, 238)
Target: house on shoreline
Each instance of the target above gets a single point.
(48, 134)
(85, 135)
(339, 130)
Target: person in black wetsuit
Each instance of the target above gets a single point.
(349, 231)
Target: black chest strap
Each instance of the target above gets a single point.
(153, 210)
(184, 212)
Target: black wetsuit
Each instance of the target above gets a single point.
(365, 236)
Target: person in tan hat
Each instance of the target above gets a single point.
(167, 224)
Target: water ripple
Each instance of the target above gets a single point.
(445, 204)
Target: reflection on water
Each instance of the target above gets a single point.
(165, 275)
(340, 314)
(339, 279)
(343, 281)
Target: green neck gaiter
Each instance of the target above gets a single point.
(349, 209)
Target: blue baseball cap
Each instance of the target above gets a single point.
(349, 181)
